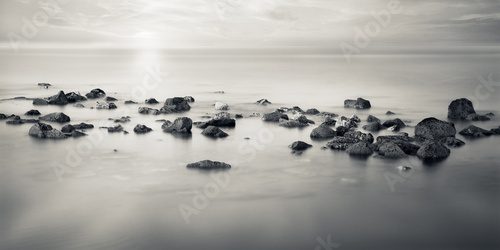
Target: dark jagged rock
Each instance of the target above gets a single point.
(142, 129)
(299, 146)
(360, 149)
(274, 116)
(372, 118)
(129, 102)
(59, 99)
(263, 102)
(181, 125)
(32, 112)
(323, 132)
(123, 119)
(115, 129)
(389, 113)
(208, 165)
(373, 126)
(433, 151)
(341, 142)
(110, 99)
(40, 102)
(434, 129)
(360, 136)
(67, 128)
(149, 111)
(222, 119)
(459, 109)
(341, 130)
(105, 105)
(152, 101)
(73, 97)
(214, 132)
(95, 93)
(45, 131)
(397, 124)
(453, 142)
(56, 117)
(391, 150)
(359, 103)
(476, 117)
(312, 111)
(189, 98)
(175, 105)
(475, 132)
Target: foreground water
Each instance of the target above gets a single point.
(82, 194)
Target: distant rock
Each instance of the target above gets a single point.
(373, 126)
(32, 112)
(391, 151)
(263, 102)
(221, 106)
(323, 132)
(389, 113)
(475, 132)
(181, 125)
(152, 101)
(397, 124)
(175, 105)
(214, 132)
(148, 111)
(129, 102)
(208, 165)
(312, 111)
(45, 131)
(56, 117)
(434, 129)
(360, 149)
(222, 119)
(372, 118)
(59, 99)
(110, 99)
(73, 97)
(459, 109)
(274, 116)
(44, 85)
(219, 92)
(123, 119)
(142, 129)
(115, 129)
(189, 98)
(40, 102)
(95, 93)
(433, 151)
(359, 103)
(105, 105)
(299, 146)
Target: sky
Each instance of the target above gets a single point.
(248, 23)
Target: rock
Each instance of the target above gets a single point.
(238, 116)
(402, 141)
(83, 126)
(372, 118)
(389, 113)
(45, 131)
(105, 105)
(373, 126)
(40, 102)
(175, 105)
(325, 114)
(221, 106)
(73, 97)
(433, 151)
(166, 124)
(475, 132)
(434, 129)
(152, 101)
(3, 116)
(263, 102)
(67, 128)
(148, 111)
(189, 98)
(360, 149)
(459, 109)
(142, 129)
(123, 119)
(44, 85)
(181, 125)
(219, 92)
(129, 102)
(79, 105)
(396, 123)
(453, 142)
(59, 99)
(16, 120)
(359, 103)
(95, 93)
(297, 109)
(391, 151)
(329, 121)
(495, 131)
(32, 112)
(349, 122)
(115, 129)
(323, 132)
(299, 146)
(76, 134)
(222, 119)
(303, 119)
(360, 136)
(56, 117)
(110, 99)
(341, 143)
(312, 111)
(208, 165)
(292, 124)
(213, 131)
(274, 117)
(341, 130)
(476, 117)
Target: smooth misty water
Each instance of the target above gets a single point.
(80, 194)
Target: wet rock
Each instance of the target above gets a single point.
(373, 126)
(105, 105)
(434, 129)
(476, 117)
(115, 129)
(397, 124)
(221, 106)
(44, 85)
(299, 146)
(329, 121)
(214, 132)
(222, 119)
(189, 98)
(40, 102)
(110, 99)
(142, 129)
(453, 142)
(341, 130)
(32, 112)
(403, 141)
(67, 128)
(433, 151)
(181, 125)
(129, 102)
(73, 97)
(323, 132)
(360, 136)
(391, 151)
(95, 93)
(59, 99)
(45, 131)
(123, 119)
(263, 102)
(312, 111)
(348, 122)
(148, 111)
(360, 149)
(341, 142)
(274, 117)
(459, 109)
(372, 118)
(475, 132)
(175, 105)
(389, 113)
(152, 101)
(56, 117)
(359, 103)
(208, 165)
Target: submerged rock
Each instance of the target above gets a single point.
(214, 132)
(475, 132)
(263, 102)
(32, 112)
(148, 111)
(181, 125)
(209, 165)
(360, 149)
(56, 117)
(40, 102)
(95, 93)
(59, 99)
(433, 151)
(73, 97)
(434, 129)
(322, 132)
(299, 146)
(78, 105)
(45, 131)
(115, 129)
(76, 134)
(152, 101)
(359, 103)
(142, 129)
(67, 128)
(274, 116)
(391, 151)
(123, 119)
(44, 85)
(459, 109)
(221, 106)
(175, 105)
